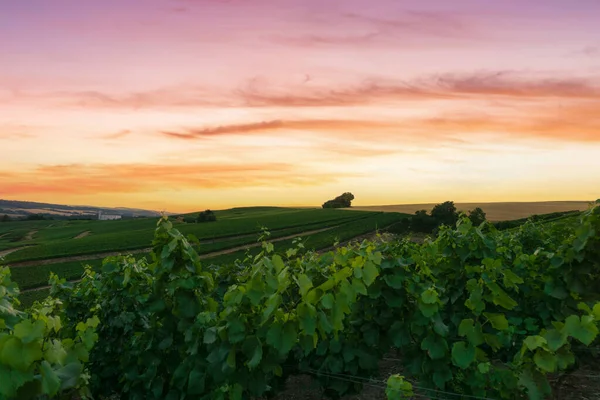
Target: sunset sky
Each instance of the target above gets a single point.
(191, 104)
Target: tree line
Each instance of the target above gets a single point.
(444, 213)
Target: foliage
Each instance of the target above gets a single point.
(342, 201)
(5, 218)
(475, 312)
(477, 216)
(39, 357)
(555, 216)
(445, 213)
(206, 216)
(422, 222)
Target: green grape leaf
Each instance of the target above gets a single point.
(55, 353)
(50, 381)
(439, 327)
(429, 296)
(545, 361)
(564, 358)
(555, 339)
(498, 321)
(428, 310)
(527, 380)
(500, 297)
(441, 377)
(231, 358)
(210, 335)
(288, 338)
(69, 375)
(473, 332)
(196, 381)
(436, 346)
(398, 388)
(307, 317)
(304, 283)
(28, 331)
(8, 386)
(583, 329)
(463, 354)
(236, 331)
(327, 301)
(483, 368)
(370, 272)
(359, 287)
(272, 303)
(252, 348)
(278, 263)
(395, 281)
(533, 342)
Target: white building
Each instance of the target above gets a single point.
(107, 217)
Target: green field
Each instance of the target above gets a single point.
(57, 240)
(53, 247)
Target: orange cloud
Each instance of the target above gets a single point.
(278, 125)
(576, 122)
(451, 87)
(131, 178)
(440, 87)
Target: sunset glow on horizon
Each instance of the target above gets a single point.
(184, 105)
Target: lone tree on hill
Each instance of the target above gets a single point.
(477, 216)
(206, 216)
(5, 218)
(342, 201)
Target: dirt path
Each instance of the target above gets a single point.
(83, 234)
(147, 250)
(30, 234)
(4, 253)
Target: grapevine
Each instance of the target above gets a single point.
(474, 311)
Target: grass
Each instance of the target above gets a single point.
(124, 235)
(319, 241)
(28, 298)
(30, 277)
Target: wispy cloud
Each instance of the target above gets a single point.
(15, 132)
(316, 125)
(504, 84)
(78, 179)
(117, 135)
(487, 86)
(313, 40)
(577, 122)
(418, 22)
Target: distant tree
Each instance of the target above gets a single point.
(477, 216)
(36, 217)
(342, 201)
(422, 222)
(5, 218)
(445, 213)
(206, 216)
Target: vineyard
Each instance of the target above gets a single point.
(475, 313)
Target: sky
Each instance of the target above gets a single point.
(183, 105)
